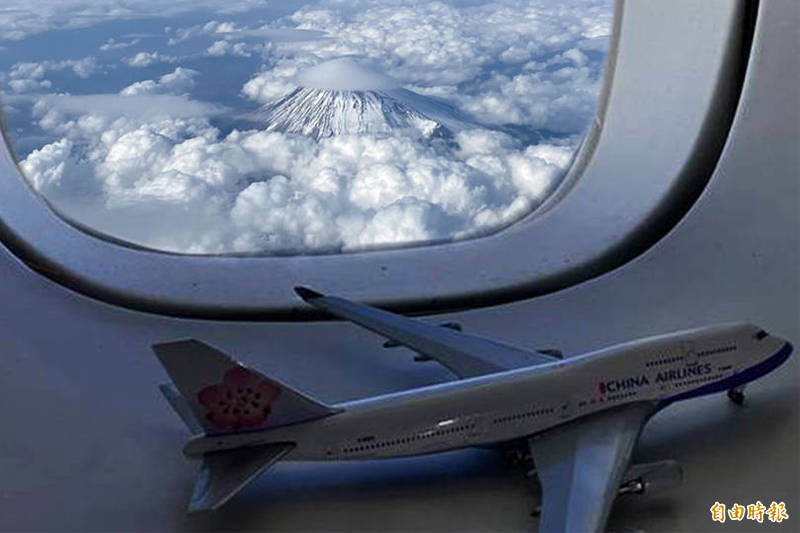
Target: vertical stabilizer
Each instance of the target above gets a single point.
(225, 396)
(181, 407)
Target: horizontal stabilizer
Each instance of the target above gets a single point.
(223, 474)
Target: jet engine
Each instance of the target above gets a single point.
(645, 478)
(649, 478)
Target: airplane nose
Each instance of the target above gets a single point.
(772, 342)
(789, 348)
(783, 348)
(783, 353)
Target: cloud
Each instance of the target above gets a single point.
(229, 30)
(282, 35)
(20, 19)
(224, 48)
(145, 59)
(28, 85)
(278, 81)
(83, 118)
(158, 168)
(230, 39)
(256, 190)
(112, 44)
(45, 167)
(345, 74)
(178, 81)
(30, 76)
(213, 27)
(505, 62)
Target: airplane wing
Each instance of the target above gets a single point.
(581, 466)
(464, 355)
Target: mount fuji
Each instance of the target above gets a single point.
(341, 97)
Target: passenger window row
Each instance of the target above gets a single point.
(519, 416)
(664, 361)
(715, 351)
(614, 397)
(698, 380)
(410, 438)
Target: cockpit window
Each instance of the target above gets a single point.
(300, 126)
(761, 335)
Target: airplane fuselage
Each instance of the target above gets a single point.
(519, 403)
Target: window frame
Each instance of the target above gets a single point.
(662, 120)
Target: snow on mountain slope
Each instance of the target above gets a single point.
(323, 113)
(341, 97)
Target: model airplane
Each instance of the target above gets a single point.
(580, 417)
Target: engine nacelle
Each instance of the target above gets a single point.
(649, 478)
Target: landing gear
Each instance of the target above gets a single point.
(518, 457)
(736, 395)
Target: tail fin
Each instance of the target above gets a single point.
(182, 408)
(224, 396)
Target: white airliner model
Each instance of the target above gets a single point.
(580, 417)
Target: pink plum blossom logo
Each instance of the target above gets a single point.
(243, 399)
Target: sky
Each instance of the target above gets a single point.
(149, 122)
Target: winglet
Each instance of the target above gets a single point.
(307, 294)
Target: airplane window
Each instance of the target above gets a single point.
(298, 127)
(154, 129)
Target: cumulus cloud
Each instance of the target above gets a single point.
(145, 59)
(229, 30)
(275, 82)
(178, 81)
(213, 27)
(224, 48)
(20, 19)
(45, 168)
(92, 119)
(258, 190)
(155, 167)
(28, 85)
(30, 76)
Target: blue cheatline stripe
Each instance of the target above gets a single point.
(749, 374)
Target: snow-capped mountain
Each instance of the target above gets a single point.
(341, 97)
(323, 113)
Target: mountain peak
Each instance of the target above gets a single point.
(321, 113)
(343, 97)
